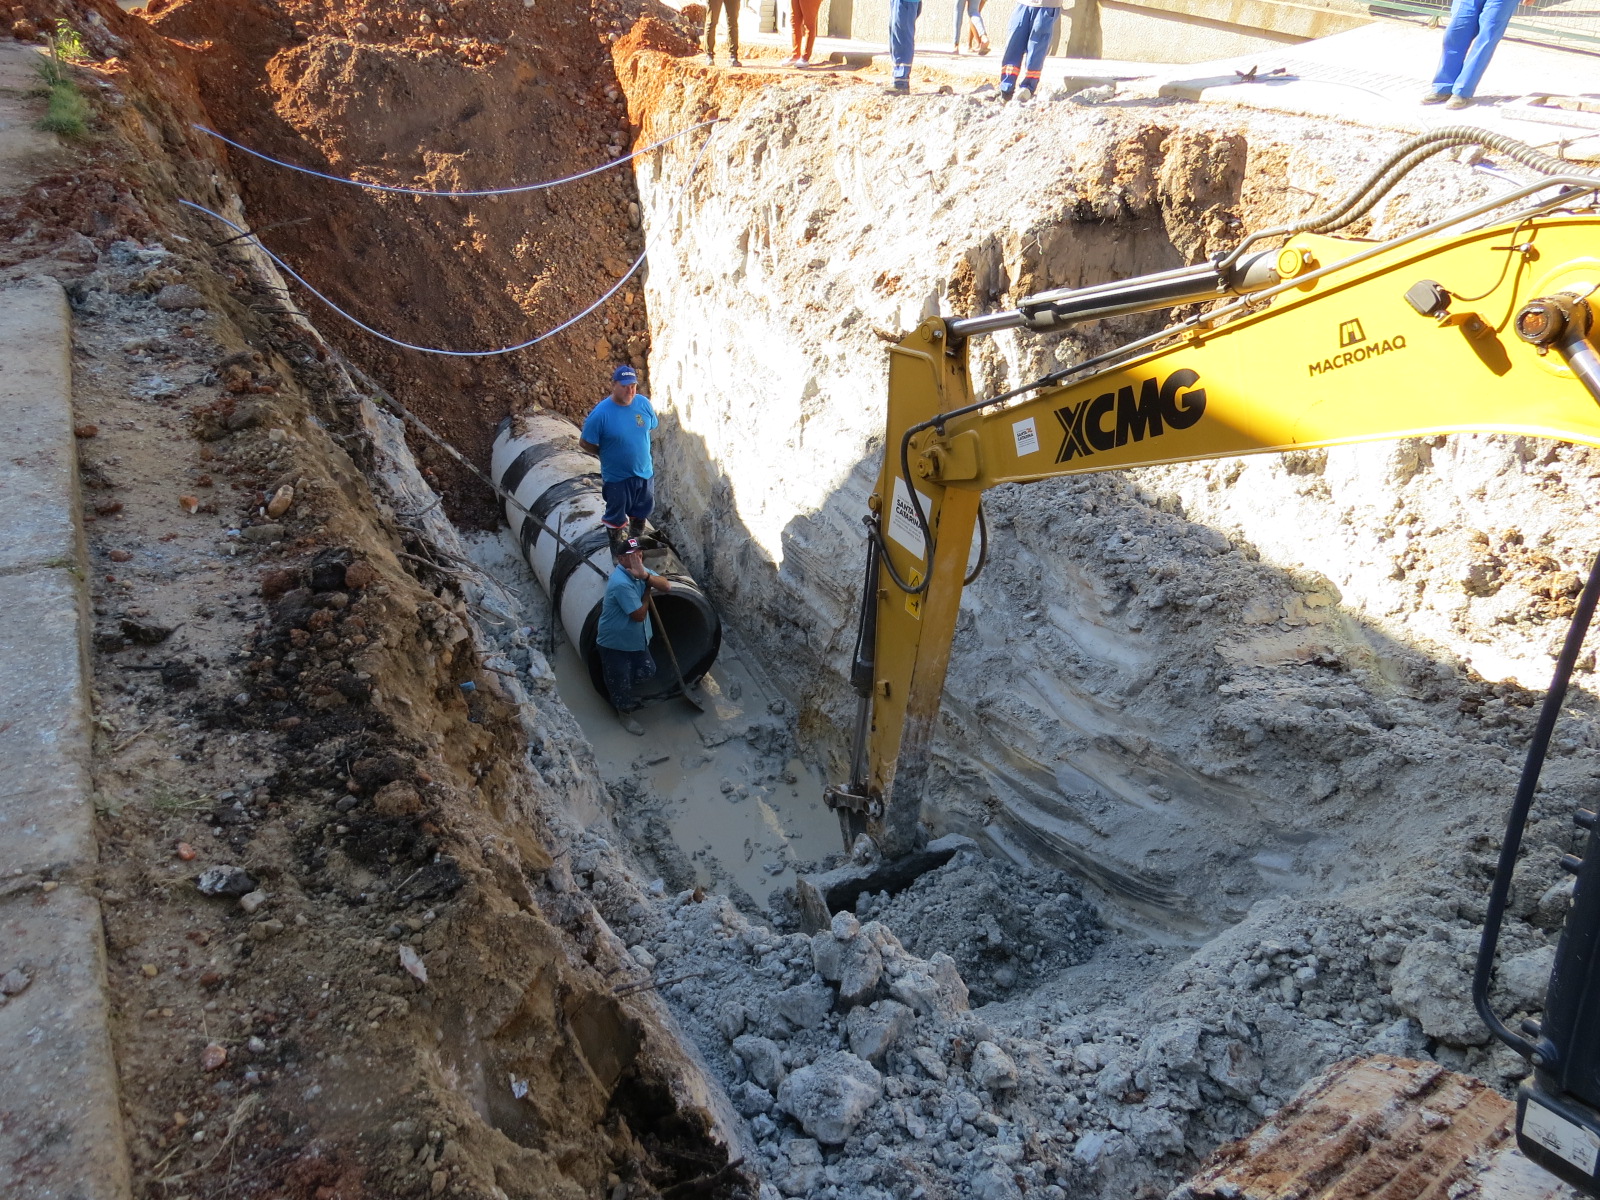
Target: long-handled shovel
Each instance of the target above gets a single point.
(677, 671)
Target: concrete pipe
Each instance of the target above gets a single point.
(537, 459)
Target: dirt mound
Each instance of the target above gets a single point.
(648, 33)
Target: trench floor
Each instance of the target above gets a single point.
(740, 806)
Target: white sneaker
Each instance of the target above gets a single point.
(794, 62)
(1024, 95)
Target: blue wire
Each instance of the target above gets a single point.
(360, 324)
(405, 191)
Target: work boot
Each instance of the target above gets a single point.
(615, 537)
(733, 61)
(1024, 95)
(1005, 95)
(1436, 97)
(1458, 102)
(625, 719)
(635, 527)
(901, 87)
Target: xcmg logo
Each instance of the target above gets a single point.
(1111, 419)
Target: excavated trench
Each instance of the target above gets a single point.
(1230, 741)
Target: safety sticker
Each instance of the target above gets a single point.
(914, 599)
(1027, 437)
(1579, 1146)
(903, 526)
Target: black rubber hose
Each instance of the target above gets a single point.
(1532, 766)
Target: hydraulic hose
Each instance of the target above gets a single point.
(1527, 786)
(1396, 167)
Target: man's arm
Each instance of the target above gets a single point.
(590, 447)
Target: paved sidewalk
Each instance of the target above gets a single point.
(1375, 76)
(60, 1120)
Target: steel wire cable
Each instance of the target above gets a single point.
(408, 191)
(250, 237)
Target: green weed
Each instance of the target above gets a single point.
(66, 42)
(66, 110)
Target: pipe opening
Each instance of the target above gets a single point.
(687, 618)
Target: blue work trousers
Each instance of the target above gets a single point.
(1027, 42)
(903, 16)
(625, 670)
(1475, 29)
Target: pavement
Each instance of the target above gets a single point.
(61, 1130)
(1372, 76)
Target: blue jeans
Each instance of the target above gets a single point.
(903, 16)
(1475, 29)
(973, 9)
(627, 499)
(625, 670)
(1029, 34)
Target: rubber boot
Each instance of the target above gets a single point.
(635, 527)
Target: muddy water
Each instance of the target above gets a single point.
(739, 815)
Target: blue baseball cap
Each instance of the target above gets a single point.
(624, 374)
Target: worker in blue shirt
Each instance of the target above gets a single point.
(618, 430)
(624, 630)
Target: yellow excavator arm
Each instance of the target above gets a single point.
(1481, 322)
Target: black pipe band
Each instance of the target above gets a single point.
(531, 458)
(569, 558)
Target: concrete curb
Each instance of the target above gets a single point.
(61, 1129)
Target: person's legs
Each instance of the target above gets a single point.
(796, 25)
(1458, 35)
(1492, 21)
(713, 7)
(616, 495)
(641, 503)
(1016, 47)
(618, 667)
(903, 16)
(730, 9)
(643, 667)
(961, 12)
(1044, 25)
(975, 17)
(808, 10)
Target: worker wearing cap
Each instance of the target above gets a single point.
(624, 631)
(618, 430)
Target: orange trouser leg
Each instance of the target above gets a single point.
(804, 21)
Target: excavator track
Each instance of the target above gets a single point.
(1380, 1128)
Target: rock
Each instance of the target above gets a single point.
(992, 1068)
(1523, 978)
(1431, 984)
(262, 534)
(873, 1030)
(804, 1006)
(860, 968)
(397, 799)
(278, 583)
(1234, 1067)
(762, 1058)
(360, 575)
(831, 1095)
(1403, 1039)
(932, 987)
(252, 902)
(213, 1056)
(225, 881)
(931, 1063)
(15, 981)
(179, 296)
(281, 502)
(730, 1020)
(751, 1099)
(994, 1182)
(85, 430)
(1174, 1046)
(144, 633)
(827, 955)
(845, 926)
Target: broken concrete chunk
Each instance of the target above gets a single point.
(930, 987)
(806, 1005)
(992, 1068)
(751, 1100)
(874, 1029)
(845, 926)
(827, 955)
(730, 1020)
(830, 1096)
(762, 1058)
(1234, 1067)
